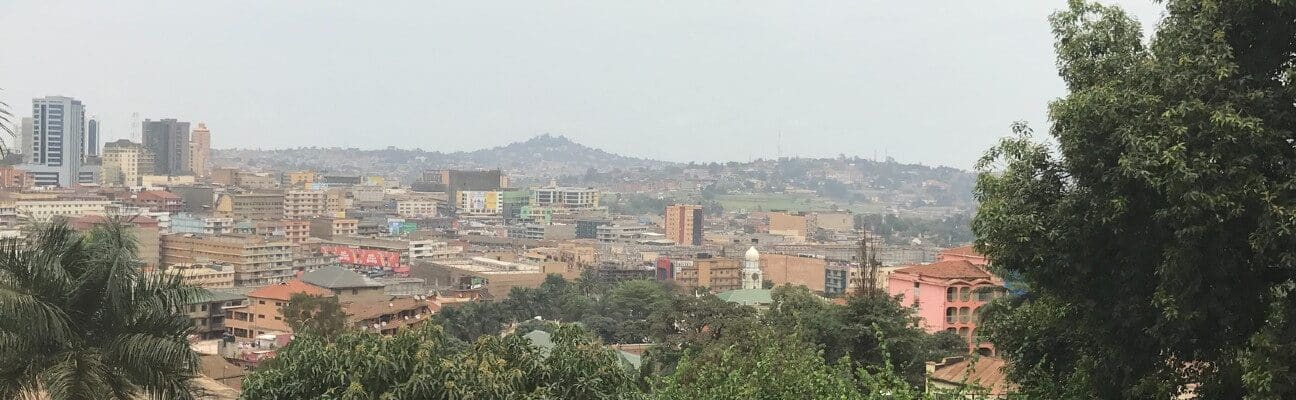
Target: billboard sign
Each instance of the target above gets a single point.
(370, 258)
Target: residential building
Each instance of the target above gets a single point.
(718, 274)
(57, 143)
(13, 178)
(124, 162)
(565, 197)
(299, 179)
(158, 201)
(261, 313)
(208, 312)
(542, 231)
(683, 224)
(328, 227)
(314, 203)
(189, 223)
(947, 295)
(256, 260)
(619, 233)
(417, 207)
(207, 276)
(45, 209)
(387, 316)
(346, 284)
(168, 139)
(250, 205)
(200, 150)
(815, 273)
(488, 276)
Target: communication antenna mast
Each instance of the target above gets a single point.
(869, 265)
(136, 131)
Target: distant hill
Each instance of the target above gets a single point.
(541, 157)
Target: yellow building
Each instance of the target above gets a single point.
(199, 150)
(204, 276)
(124, 162)
(263, 205)
(256, 260)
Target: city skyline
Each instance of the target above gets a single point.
(771, 80)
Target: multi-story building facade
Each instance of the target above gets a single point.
(565, 197)
(168, 139)
(304, 203)
(328, 228)
(479, 203)
(189, 223)
(718, 274)
(947, 295)
(256, 260)
(46, 209)
(250, 205)
(158, 201)
(417, 207)
(124, 162)
(56, 140)
(261, 314)
(208, 313)
(683, 224)
(207, 276)
(13, 178)
(200, 150)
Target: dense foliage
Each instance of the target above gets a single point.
(78, 320)
(314, 314)
(1157, 240)
(427, 363)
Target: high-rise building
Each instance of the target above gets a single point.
(199, 150)
(92, 137)
(124, 162)
(168, 139)
(684, 224)
(56, 141)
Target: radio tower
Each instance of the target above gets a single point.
(135, 128)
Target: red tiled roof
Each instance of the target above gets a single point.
(985, 372)
(947, 270)
(284, 291)
(160, 194)
(966, 251)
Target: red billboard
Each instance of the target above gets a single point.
(371, 258)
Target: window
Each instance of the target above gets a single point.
(915, 285)
(949, 294)
(204, 307)
(277, 318)
(355, 291)
(951, 315)
(964, 332)
(193, 308)
(278, 304)
(261, 316)
(984, 293)
(262, 302)
(965, 315)
(965, 293)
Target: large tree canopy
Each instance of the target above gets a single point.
(79, 320)
(1158, 239)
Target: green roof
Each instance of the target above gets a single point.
(747, 297)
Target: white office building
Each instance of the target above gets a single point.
(57, 143)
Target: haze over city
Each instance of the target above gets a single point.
(928, 82)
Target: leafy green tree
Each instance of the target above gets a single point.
(767, 365)
(316, 314)
(79, 320)
(622, 314)
(1156, 237)
(427, 363)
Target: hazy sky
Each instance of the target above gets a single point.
(934, 82)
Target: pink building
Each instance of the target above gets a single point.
(946, 297)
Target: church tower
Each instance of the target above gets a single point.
(752, 278)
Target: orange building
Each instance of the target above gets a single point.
(684, 224)
(261, 315)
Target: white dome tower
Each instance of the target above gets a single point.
(752, 278)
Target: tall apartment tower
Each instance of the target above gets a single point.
(199, 150)
(684, 224)
(56, 142)
(92, 137)
(168, 139)
(124, 162)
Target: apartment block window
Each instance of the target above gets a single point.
(951, 315)
(950, 293)
(965, 293)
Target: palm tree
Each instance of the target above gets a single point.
(7, 123)
(79, 320)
